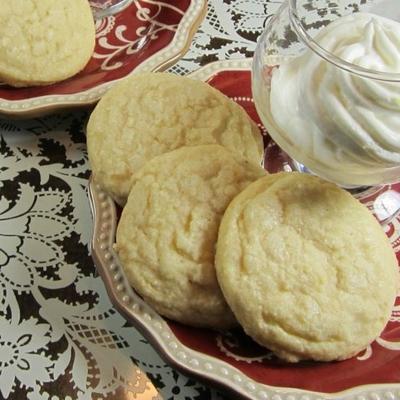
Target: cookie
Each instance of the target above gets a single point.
(149, 114)
(44, 41)
(306, 268)
(167, 232)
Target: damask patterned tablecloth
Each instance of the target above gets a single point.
(60, 337)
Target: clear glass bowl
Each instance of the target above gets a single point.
(105, 8)
(326, 84)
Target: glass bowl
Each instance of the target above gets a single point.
(105, 8)
(326, 84)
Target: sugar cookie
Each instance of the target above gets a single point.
(167, 232)
(44, 41)
(306, 268)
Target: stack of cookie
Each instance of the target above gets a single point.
(44, 41)
(174, 152)
(208, 239)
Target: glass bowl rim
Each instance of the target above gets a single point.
(330, 57)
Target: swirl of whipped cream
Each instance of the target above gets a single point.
(339, 120)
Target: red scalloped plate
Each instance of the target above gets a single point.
(231, 359)
(146, 36)
(379, 364)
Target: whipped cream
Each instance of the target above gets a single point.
(343, 126)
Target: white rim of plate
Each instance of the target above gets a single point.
(157, 331)
(157, 62)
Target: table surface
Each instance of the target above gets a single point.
(55, 316)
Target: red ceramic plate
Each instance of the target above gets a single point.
(148, 35)
(231, 359)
